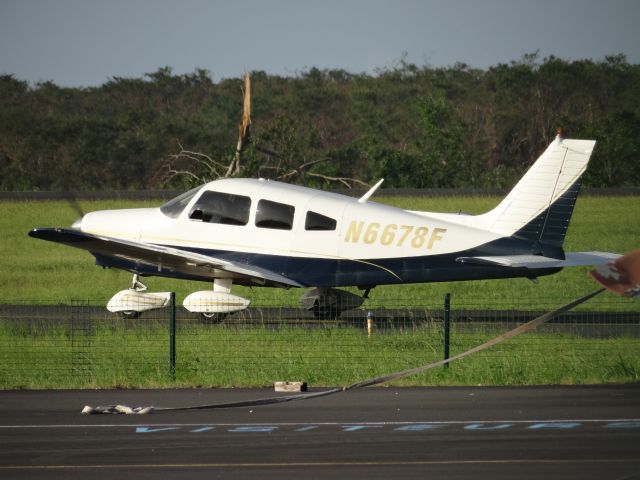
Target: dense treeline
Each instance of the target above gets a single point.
(414, 126)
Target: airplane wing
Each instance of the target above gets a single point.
(573, 259)
(162, 258)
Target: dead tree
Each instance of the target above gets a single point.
(203, 168)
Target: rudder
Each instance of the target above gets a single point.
(540, 206)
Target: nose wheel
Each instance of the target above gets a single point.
(137, 286)
(130, 303)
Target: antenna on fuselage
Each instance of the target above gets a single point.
(371, 191)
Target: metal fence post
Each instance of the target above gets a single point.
(447, 325)
(172, 335)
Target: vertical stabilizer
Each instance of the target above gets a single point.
(540, 205)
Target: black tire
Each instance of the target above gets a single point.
(324, 312)
(212, 318)
(130, 314)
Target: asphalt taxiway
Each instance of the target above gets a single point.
(525, 432)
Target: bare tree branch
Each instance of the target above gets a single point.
(184, 172)
(198, 157)
(344, 180)
(266, 151)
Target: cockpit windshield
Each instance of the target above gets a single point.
(173, 208)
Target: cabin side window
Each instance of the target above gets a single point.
(274, 215)
(225, 208)
(316, 221)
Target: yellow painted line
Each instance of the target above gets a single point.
(214, 304)
(376, 463)
(182, 243)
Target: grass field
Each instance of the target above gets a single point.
(231, 356)
(36, 271)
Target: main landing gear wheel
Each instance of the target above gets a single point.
(210, 318)
(213, 306)
(129, 314)
(329, 303)
(325, 312)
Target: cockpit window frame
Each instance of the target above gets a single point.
(174, 207)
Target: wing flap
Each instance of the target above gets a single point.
(160, 257)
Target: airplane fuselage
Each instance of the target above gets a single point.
(313, 237)
(267, 233)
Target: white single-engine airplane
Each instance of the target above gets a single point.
(267, 233)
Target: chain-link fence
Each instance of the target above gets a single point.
(84, 345)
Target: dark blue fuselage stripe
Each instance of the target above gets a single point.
(322, 272)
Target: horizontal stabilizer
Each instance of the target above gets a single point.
(575, 259)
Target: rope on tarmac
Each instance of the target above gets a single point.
(525, 327)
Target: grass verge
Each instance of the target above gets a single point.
(119, 355)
